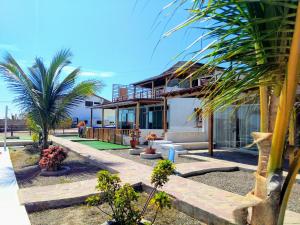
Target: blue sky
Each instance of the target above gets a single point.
(112, 40)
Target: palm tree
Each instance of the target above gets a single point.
(260, 41)
(45, 93)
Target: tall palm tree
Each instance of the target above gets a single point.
(260, 40)
(45, 93)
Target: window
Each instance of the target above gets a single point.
(184, 83)
(199, 117)
(88, 103)
(126, 118)
(155, 116)
(195, 83)
(143, 118)
(96, 103)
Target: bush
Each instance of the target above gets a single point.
(52, 158)
(121, 198)
(35, 137)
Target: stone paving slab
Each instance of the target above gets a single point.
(198, 168)
(206, 203)
(60, 195)
(17, 142)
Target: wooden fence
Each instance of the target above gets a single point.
(110, 135)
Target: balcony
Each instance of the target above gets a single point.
(131, 92)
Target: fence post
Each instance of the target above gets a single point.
(11, 131)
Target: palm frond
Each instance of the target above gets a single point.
(41, 93)
(250, 37)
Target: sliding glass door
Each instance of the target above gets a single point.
(233, 127)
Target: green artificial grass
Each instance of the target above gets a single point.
(102, 145)
(73, 137)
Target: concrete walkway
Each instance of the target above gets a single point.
(198, 168)
(193, 155)
(16, 142)
(12, 212)
(206, 203)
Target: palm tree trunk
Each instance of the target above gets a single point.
(45, 137)
(264, 116)
(285, 109)
(269, 188)
(274, 100)
(286, 101)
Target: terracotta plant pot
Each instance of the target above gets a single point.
(133, 143)
(150, 150)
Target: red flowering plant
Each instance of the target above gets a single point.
(52, 158)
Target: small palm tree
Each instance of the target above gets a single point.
(259, 41)
(44, 93)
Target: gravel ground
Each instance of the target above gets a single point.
(241, 182)
(83, 215)
(234, 156)
(150, 162)
(27, 172)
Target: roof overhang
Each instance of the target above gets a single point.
(187, 92)
(129, 103)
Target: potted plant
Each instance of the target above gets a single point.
(121, 199)
(134, 134)
(150, 138)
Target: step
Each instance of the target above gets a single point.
(193, 145)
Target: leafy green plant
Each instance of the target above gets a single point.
(33, 127)
(160, 201)
(258, 42)
(35, 137)
(121, 199)
(43, 92)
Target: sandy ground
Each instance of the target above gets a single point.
(84, 215)
(27, 173)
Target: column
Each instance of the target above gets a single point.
(137, 116)
(117, 117)
(153, 94)
(211, 133)
(102, 117)
(165, 115)
(91, 117)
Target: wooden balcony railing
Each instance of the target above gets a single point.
(124, 93)
(111, 135)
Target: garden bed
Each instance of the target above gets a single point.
(25, 163)
(149, 162)
(83, 215)
(241, 182)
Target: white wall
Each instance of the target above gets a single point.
(109, 116)
(83, 112)
(181, 115)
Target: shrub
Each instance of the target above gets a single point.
(35, 137)
(121, 198)
(52, 158)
